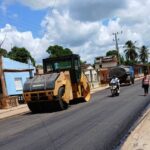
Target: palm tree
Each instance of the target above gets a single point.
(130, 51)
(143, 54)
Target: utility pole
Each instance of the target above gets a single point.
(4, 99)
(2, 78)
(1, 70)
(116, 43)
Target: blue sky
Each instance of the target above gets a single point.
(85, 26)
(23, 18)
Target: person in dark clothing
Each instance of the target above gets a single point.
(145, 84)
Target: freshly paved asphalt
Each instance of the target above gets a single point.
(95, 125)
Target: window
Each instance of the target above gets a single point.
(58, 65)
(49, 67)
(76, 65)
(62, 65)
(18, 84)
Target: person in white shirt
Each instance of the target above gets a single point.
(116, 81)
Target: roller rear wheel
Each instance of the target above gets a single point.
(86, 93)
(34, 107)
(62, 105)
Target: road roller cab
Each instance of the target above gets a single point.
(62, 82)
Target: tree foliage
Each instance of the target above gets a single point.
(130, 51)
(21, 55)
(83, 62)
(129, 62)
(143, 54)
(57, 50)
(3, 52)
(112, 52)
(122, 60)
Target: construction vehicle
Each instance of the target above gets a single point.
(62, 82)
(124, 73)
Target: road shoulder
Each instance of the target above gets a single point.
(140, 135)
(4, 113)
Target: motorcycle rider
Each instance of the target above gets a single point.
(116, 81)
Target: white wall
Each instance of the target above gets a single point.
(90, 70)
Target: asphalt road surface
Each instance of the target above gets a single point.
(95, 125)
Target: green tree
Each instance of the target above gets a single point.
(21, 54)
(3, 52)
(122, 61)
(57, 50)
(130, 51)
(143, 54)
(129, 62)
(83, 62)
(112, 52)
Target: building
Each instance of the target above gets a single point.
(13, 74)
(103, 64)
(91, 75)
(39, 70)
(141, 69)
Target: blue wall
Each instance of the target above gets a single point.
(10, 81)
(10, 76)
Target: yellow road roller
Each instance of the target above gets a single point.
(62, 82)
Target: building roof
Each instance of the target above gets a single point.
(12, 64)
(109, 59)
(105, 59)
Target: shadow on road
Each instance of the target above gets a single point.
(45, 109)
(77, 101)
(125, 84)
(52, 107)
(112, 96)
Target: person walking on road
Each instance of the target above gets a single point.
(145, 84)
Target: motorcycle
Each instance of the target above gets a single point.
(114, 89)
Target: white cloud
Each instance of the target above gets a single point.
(95, 38)
(79, 26)
(63, 29)
(136, 19)
(88, 39)
(136, 11)
(92, 10)
(37, 47)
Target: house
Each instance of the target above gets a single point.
(140, 69)
(91, 75)
(39, 70)
(103, 64)
(13, 74)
